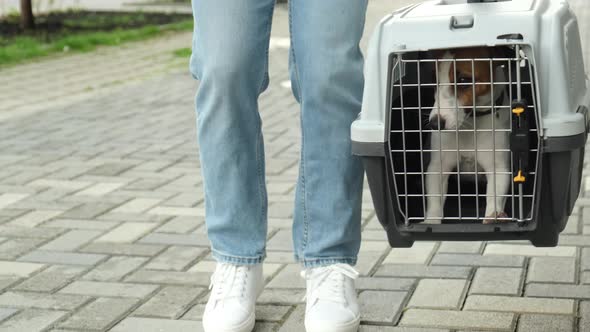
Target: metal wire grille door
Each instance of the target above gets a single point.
(463, 137)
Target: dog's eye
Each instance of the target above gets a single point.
(464, 80)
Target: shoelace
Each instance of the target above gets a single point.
(228, 281)
(328, 282)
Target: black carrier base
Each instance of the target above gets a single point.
(560, 177)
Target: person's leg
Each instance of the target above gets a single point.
(327, 79)
(230, 56)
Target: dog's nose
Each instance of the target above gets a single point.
(437, 122)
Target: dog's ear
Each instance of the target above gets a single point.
(501, 66)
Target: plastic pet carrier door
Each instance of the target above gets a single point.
(468, 131)
(489, 157)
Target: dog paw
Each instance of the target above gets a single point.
(433, 221)
(496, 218)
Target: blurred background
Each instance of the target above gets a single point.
(35, 28)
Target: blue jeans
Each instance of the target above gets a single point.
(230, 58)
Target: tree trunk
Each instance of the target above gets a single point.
(27, 20)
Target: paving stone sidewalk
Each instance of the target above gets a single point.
(102, 228)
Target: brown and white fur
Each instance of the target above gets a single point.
(451, 118)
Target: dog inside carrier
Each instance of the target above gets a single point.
(471, 158)
(468, 131)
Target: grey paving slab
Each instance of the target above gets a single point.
(137, 205)
(132, 324)
(288, 278)
(71, 240)
(123, 249)
(461, 247)
(9, 199)
(79, 224)
(136, 217)
(100, 314)
(61, 257)
(381, 306)
(196, 312)
(108, 289)
(379, 328)
(545, 323)
(497, 281)
(368, 262)
(7, 281)
(585, 261)
(266, 327)
(115, 268)
(52, 278)
(439, 293)
(458, 319)
(282, 296)
(169, 302)
(478, 260)
(552, 269)
(110, 169)
(180, 225)
(368, 246)
(295, 320)
(169, 278)
(388, 284)
(42, 300)
(558, 291)
(575, 240)
(416, 271)
(420, 253)
(176, 239)
(528, 250)
(584, 323)
(34, 218)
(520, 304)
(175, 258)
(6, 312)
(281, 241)
(272, 313)
(127, 232)
(12, 248)
(18, 269)
(27, 232)
(11, 213)
(372, 234)
(31, 320)
(88, 210)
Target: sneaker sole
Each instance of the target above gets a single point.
(349, 327)
(246, 326)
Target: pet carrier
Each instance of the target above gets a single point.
(474, 120)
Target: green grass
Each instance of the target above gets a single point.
(21, 49)
(183, 52)
(96, 21)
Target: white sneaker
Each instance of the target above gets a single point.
(234, 290)
(331, 299)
